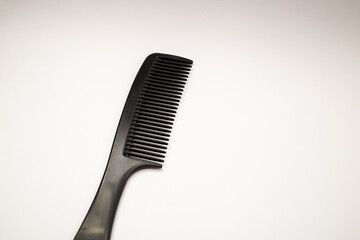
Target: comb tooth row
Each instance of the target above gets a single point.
(155, 110)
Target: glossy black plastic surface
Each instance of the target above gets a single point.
(141, 138)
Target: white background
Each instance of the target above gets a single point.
(265, 145)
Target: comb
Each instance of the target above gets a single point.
(141, 138)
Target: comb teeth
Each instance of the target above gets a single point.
(155, 109)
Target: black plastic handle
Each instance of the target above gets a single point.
(100, 217)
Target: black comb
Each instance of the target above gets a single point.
(141, 138)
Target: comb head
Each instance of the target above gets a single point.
(158, 86)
